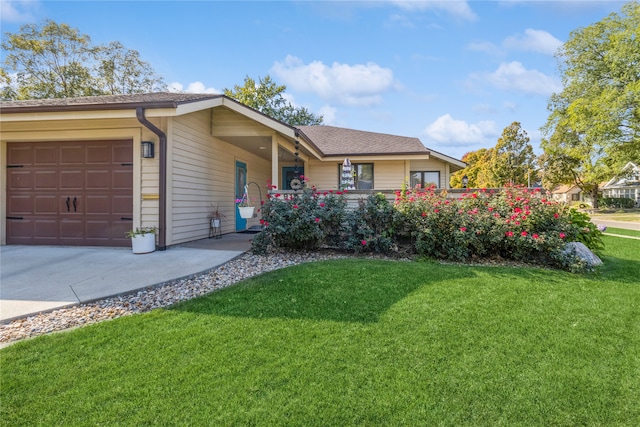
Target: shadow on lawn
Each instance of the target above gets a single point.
(341, 290)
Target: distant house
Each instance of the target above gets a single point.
(83, 171)
(567, 193)
(626, 185)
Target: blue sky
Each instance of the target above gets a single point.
(452, 73)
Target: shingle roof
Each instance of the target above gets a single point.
(335, 141)
(112, 102)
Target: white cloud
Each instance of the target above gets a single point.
(513, 76)
(533, 41)
(355, 85)
(17, 10)
(459, 9)
(329, 115)
(195, 87)
(446, 129)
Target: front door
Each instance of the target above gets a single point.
(241, 182)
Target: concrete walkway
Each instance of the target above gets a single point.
(41, 278)
(627, 225)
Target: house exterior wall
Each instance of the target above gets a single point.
(202, 176)
(387, 174)
(431, 165)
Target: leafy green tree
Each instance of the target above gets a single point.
(478, 170)
(49, 61)
(512, 159)
(567, 160)
(53, 60)
(594, 123)
(121, 70)
(267, 97)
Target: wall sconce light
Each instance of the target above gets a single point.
(465, 181)
(147, 150)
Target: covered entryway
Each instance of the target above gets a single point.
(69, 192)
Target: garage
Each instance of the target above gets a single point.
(77, 193)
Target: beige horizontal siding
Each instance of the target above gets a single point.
(203, 175)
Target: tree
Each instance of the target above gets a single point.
(267, 97)
(49, 61)
(568, 160)
(53, 60)
(594, 123)
(478, 170)
(121, 70)
(512, 159)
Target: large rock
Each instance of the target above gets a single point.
(582, 252)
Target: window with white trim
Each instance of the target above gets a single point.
(362, 175)
(425, 179)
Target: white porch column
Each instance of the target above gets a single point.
(274, 161)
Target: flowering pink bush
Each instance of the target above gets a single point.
(516, 224)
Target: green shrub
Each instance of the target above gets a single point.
(304, 220)
(616, 202)
(374, 226)
(586, 231)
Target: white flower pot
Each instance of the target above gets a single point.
(143, 243)
(215, 223)
(246, 212)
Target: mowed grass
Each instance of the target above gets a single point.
(622, 232)
(354, 342)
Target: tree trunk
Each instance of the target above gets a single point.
(594, 197)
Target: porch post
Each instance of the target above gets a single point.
(274, 161)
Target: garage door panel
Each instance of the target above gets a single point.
(121, 205)
(20, 205)
(45, 154)
(20, 155)
(46, 179)
(98, 179)
(71, 155)
(72, 180)
(121, 153)
(97, 204)
(46, 205)
(121, 179)
(46, 228)
(20, 179)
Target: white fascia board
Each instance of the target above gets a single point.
(448, 159)
(258, 117)
(67, 115)
(356, 158)
(192, 107)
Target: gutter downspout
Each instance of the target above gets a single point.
(162, 219)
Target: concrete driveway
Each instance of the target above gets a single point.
(41, 278)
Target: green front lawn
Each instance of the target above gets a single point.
(353, 342)
(622, 231)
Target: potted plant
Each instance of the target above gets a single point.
(143, 239)
(215, 216)
(245, 210)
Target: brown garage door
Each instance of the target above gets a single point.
(69, 193)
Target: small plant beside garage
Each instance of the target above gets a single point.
(143, 239)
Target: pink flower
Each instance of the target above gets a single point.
(322, 205)
(363, 242)
(524, 233)
(436, 210)
(277, 194)
(424, 214)
(555, 215)
(317, 219)
(535, 235)
(295, 206)
(562, 235)
(463, 229)
(509, 233)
